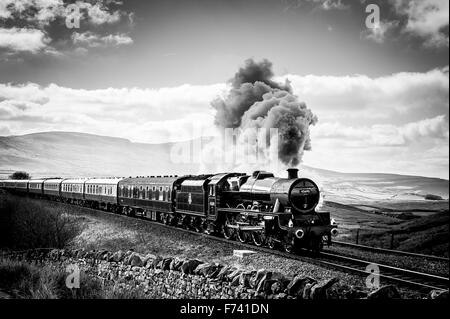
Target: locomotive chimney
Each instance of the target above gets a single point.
(292, 173)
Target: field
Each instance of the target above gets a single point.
(415, 226)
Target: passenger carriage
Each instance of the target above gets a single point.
(102, 193)
(150, 196)
(72, 190)
(35, 187)
(17, 185)
(52, 188)
(9, 184)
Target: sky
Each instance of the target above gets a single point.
(148, 71)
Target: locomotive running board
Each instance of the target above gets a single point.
(246, 228)
(242, 211)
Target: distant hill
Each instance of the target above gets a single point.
(79, 154)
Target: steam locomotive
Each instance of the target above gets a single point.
(258, 208)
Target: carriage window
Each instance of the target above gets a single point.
(168, 192)
(161, 193)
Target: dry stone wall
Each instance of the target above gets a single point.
(168, 277)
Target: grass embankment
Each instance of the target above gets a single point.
(25, 280)
(30, 224)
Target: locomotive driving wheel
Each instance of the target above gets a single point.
(229, 232)
(271, 242)
(258, 238)
(242, 236)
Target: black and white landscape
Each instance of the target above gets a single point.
(354, 94)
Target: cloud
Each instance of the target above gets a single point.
(427, 19)
(332, 4)
(100, 14)
(406, 95)
(31, 24)
(24, 92)
(23, 39)
(384, 134)
(436, 127)
(318, 4)
(424, 20)
(144, 115)
(380, 32)
(42, 12)
(91, 39)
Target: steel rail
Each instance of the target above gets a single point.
(390, 251)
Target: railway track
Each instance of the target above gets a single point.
(386, 273)
(389, 251)
(413, 279)
(401, 276)
(418, 280)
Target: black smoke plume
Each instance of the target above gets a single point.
(256, 101)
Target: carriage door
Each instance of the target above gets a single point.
(212, 200)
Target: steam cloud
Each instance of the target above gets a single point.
(256, 101)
